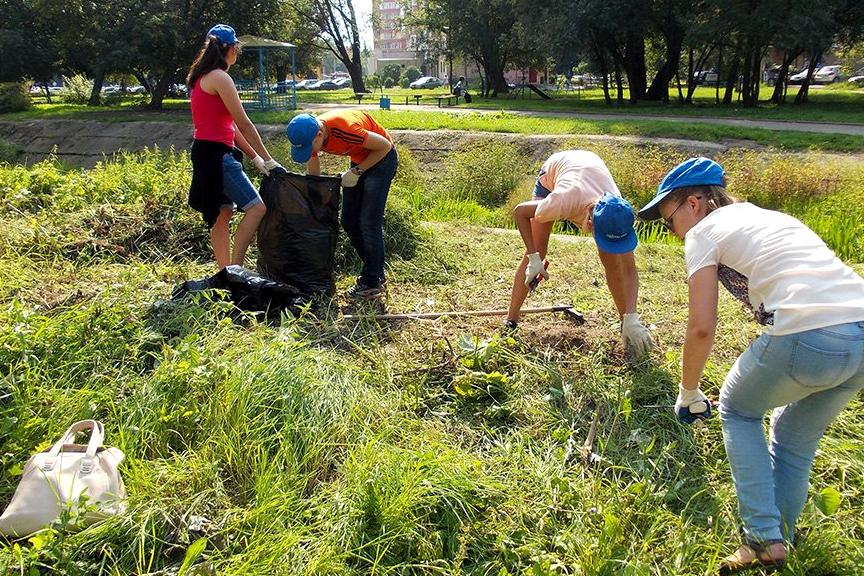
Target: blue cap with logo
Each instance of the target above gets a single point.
(692, 172)
(613, 225)
(224, 33)
(301, 131)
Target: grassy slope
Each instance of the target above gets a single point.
(334, 447)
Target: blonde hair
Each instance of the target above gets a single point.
(715, 196)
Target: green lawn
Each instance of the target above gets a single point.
(333, 447)
(834, 104)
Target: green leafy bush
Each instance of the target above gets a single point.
(14, 97)
(78, 89)
(8, 151)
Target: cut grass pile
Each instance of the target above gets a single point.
(329, 447)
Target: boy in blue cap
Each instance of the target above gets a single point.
(366, 184)
(576, 185)
(806, 366)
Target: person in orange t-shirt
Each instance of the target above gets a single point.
(366, 183)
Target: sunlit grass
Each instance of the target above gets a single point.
(332, 447)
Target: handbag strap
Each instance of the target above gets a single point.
(97, 436)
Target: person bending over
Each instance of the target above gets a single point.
(576, 185)
(805, 367)
(366, 183)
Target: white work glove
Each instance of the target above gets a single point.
(260, 165)
(637, 339)
(272, 165)
(535, 267)
(350, 178)
(691, 405)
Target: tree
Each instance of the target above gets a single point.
(337, 22)
(27, 43)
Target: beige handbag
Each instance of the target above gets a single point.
(56, 478)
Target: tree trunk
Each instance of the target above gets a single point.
(634, 65)
(659, 89)
(619, 85)
(157, 94)
(96, 92)
(779, 95)
(801, 97)
(731, 77)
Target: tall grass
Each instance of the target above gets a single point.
(825, 193)
(333, 447)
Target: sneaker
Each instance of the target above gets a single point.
(509, 326)
(361, 291)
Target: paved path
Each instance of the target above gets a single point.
(795, 126)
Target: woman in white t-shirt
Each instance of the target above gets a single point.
(806, 366)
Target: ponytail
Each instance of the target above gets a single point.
(212, 56)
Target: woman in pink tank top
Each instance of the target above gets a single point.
(222, 131)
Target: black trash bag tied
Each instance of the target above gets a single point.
(297, 237)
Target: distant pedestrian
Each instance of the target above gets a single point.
(576, 185)
(222, 131)
(806, 366)
(366, 183)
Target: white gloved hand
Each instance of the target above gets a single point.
(637, 339)
(272, 165)
(350, 178)
(535, 267)
(260, 165)
(691, 405)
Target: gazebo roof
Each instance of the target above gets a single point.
(258, 42)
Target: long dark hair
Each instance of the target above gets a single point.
(212, 56)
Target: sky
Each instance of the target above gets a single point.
(363, 9)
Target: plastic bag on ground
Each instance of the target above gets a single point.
(248, 291)
(297, 237)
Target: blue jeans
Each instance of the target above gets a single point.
(807, 378)
(363, 216)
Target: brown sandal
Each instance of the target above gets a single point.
(751, 555)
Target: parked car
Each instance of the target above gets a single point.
(322, 85)
(283, 86)
(827, 75)
(797, 77)
(426, 82)
(707, 77)
(857, 77)
(304, 84)
(343, 82)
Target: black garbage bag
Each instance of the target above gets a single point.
(298, 235)
(248, 291)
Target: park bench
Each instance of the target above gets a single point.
(448, 97)
(360, 95)
(416, 97)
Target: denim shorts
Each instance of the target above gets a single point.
(540, 191)
(236, 185)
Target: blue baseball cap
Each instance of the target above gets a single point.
(301, 131)
(692, 172)
(224, 33)
(613, 225)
